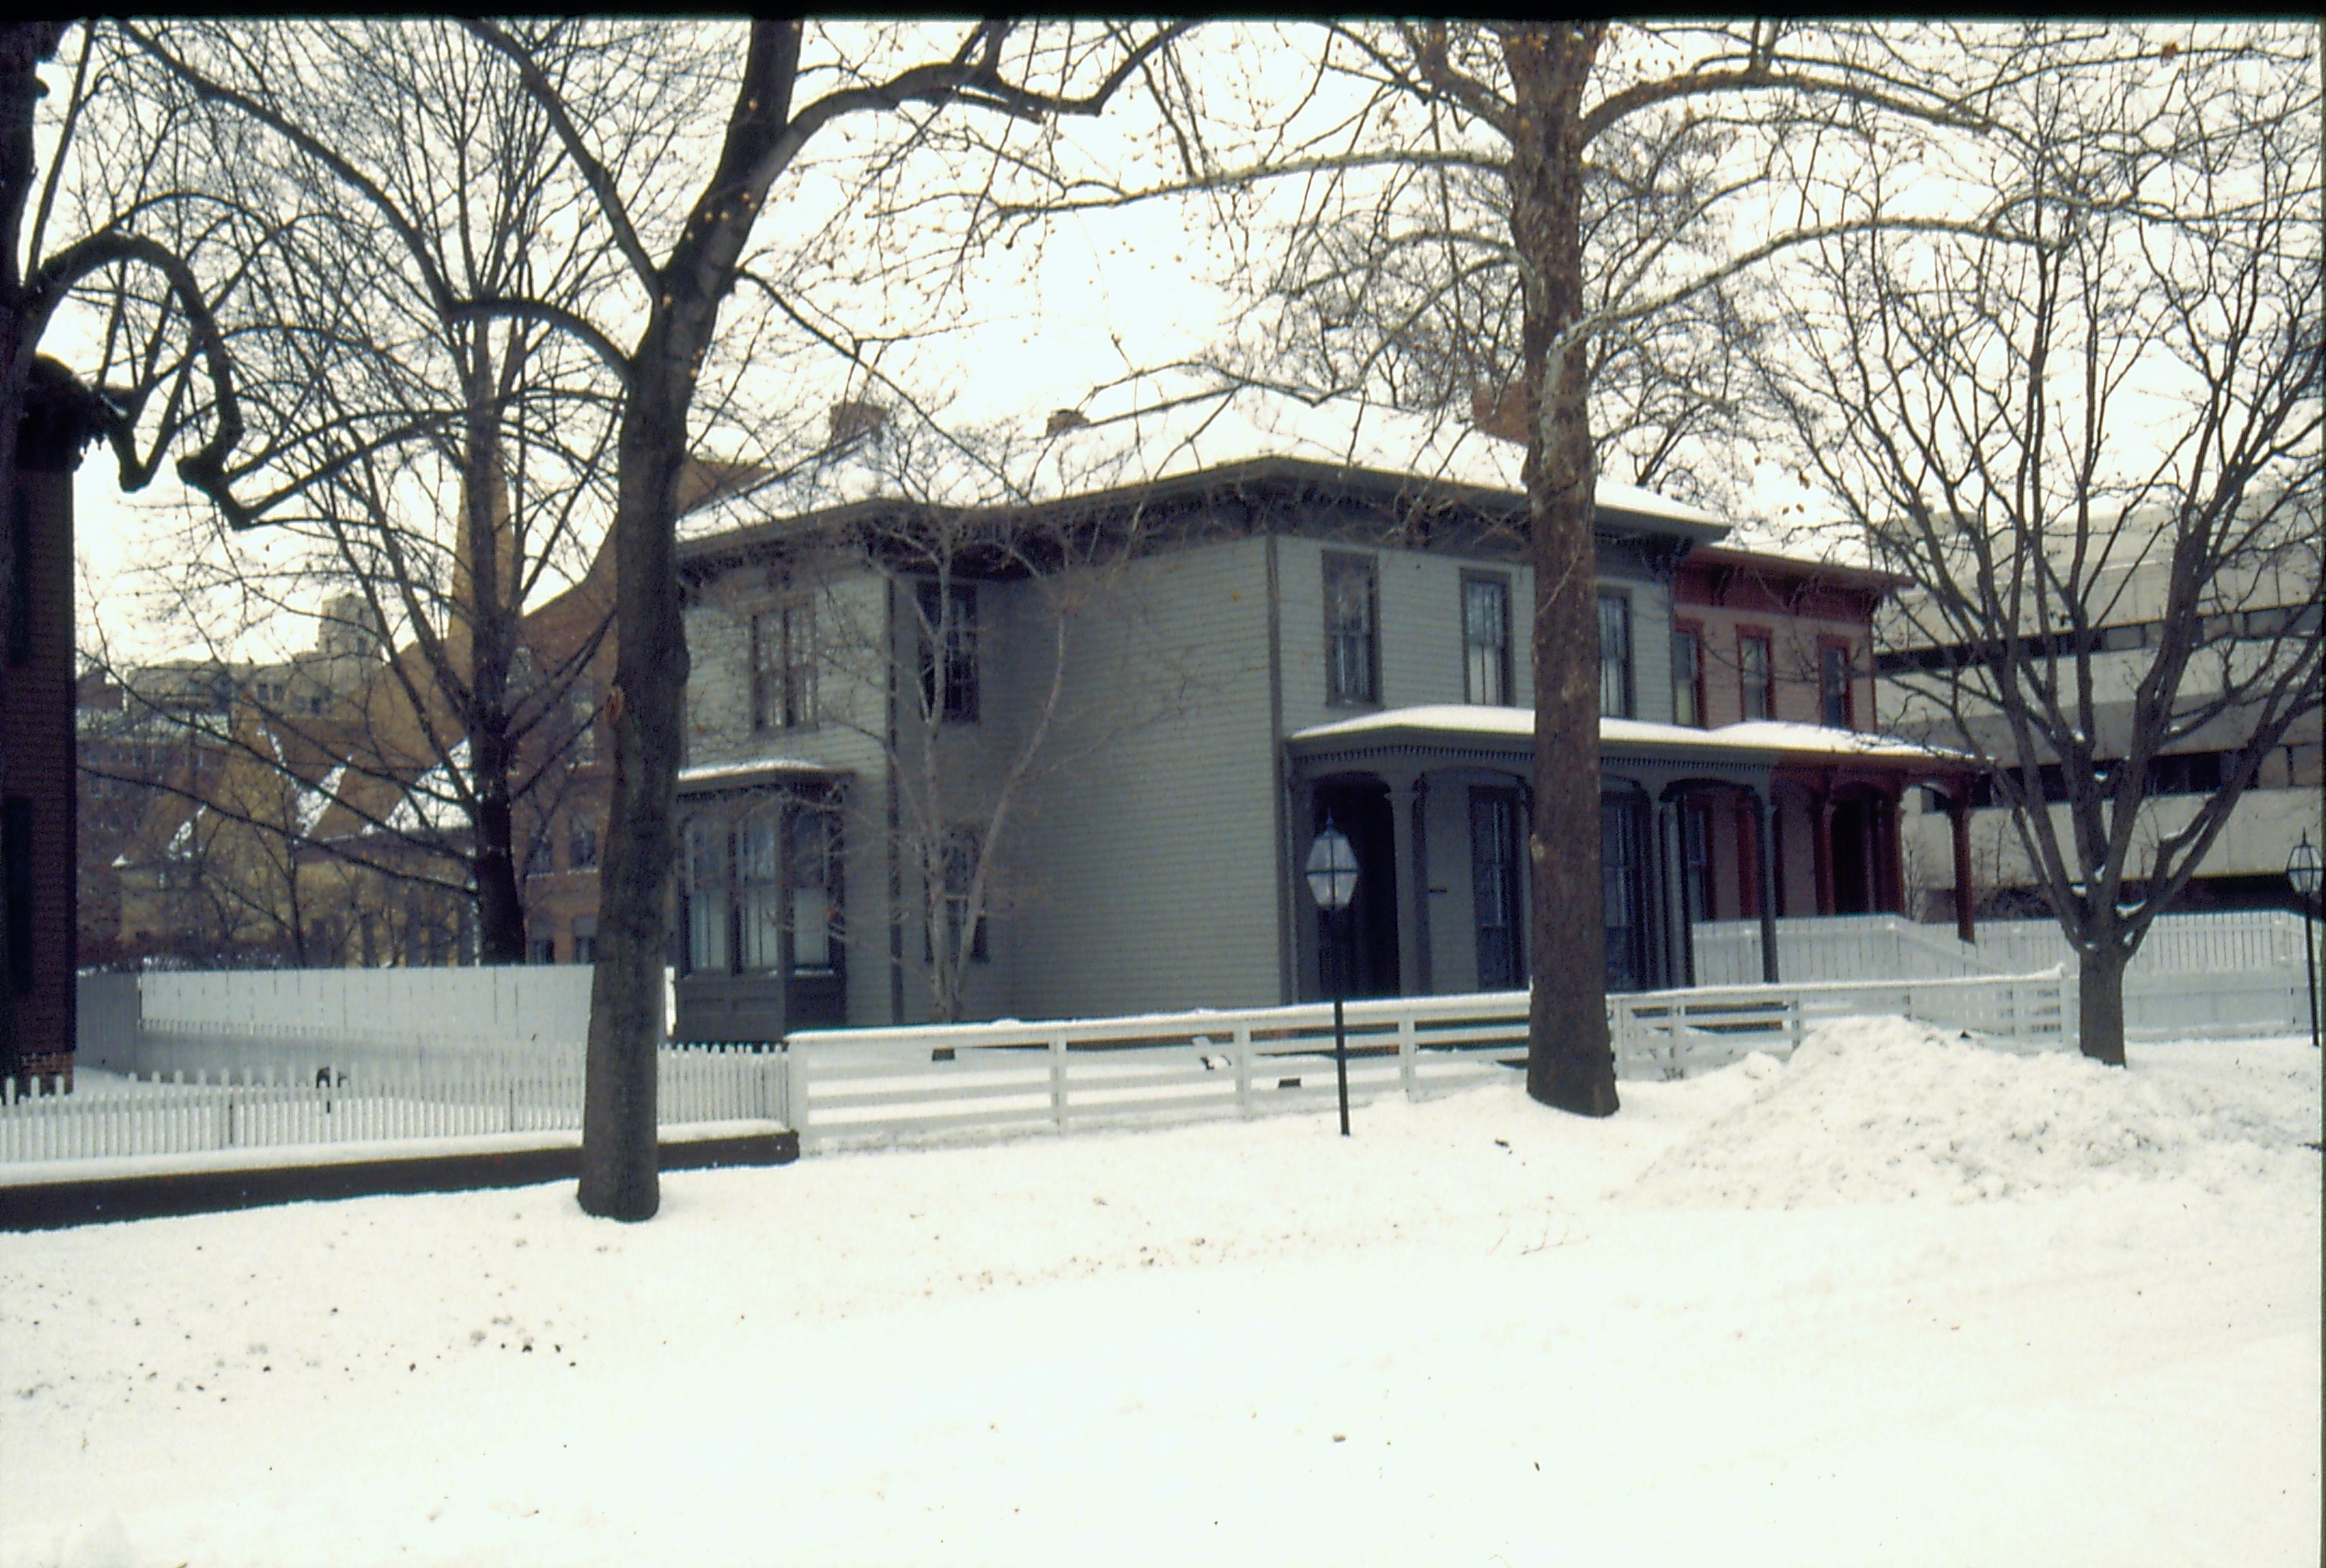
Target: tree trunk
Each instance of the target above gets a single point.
(491, 618)
(619, 1180)
(618, 1115)
(2099, 1002)
(500, 907)
(1569, 1062)
(22, 46)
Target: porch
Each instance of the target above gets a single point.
(1753, 821)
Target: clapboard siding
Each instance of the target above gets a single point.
(1146, 872)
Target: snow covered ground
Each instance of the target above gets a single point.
(1901, 1301)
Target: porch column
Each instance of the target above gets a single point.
(1958, 819)
(1670, 885)
(1892, 894)
(1765, 870)
(1420, 900)
(1821, 848)
(1301, 825)
(1405, 800)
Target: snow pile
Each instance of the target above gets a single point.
(1882, 1109)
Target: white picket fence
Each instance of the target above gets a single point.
(1839, 947)
(2232, 972)
(190, 1112)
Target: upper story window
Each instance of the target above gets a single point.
(948, 622)
(582, 713)
(1688, 676)
(1835, 708)
(1486, 641)
(582, 847)
(1352, 644)
(783, 667)
(1755, 675)
(1614, 656)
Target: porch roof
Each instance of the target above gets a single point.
(1755, 743)
(705, 777)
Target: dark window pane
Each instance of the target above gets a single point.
(1833, 688)
(1486, 641)
(1351, 651)
(1688, 665)
(1753, 675)
(949, 622)
(1614, 656)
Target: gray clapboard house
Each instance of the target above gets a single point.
(1214, 663)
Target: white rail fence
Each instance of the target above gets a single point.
(2229, 973)
(191, 1111)
(858, 1085)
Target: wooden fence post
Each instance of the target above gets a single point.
(795, 1113)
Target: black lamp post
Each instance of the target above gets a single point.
(2302, 868)
(1332, 875)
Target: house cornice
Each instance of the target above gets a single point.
(1199, 497)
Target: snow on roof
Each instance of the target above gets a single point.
(308, 807)
(713, 772)
(1155, 428)
(1778, 734)
(433, 802)
(1765, 736)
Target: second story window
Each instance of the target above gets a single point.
(1614, 656)
(783, 667)
(1755, 675)
(581, 848)
(1834, 708)
(948, 628)
(1486, 641)
(1687, 676)
(1352, 646)
(582, 713)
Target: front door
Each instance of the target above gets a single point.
(1622, 890)
(1368, 927)
(1494, 893)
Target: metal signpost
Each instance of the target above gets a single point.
(1333, 881)
(2302, 868)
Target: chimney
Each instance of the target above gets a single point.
(1502, 412)
(855, 418)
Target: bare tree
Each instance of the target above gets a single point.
(443, 468)
(1732, 143)
(681, 264)
(2113, 424)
